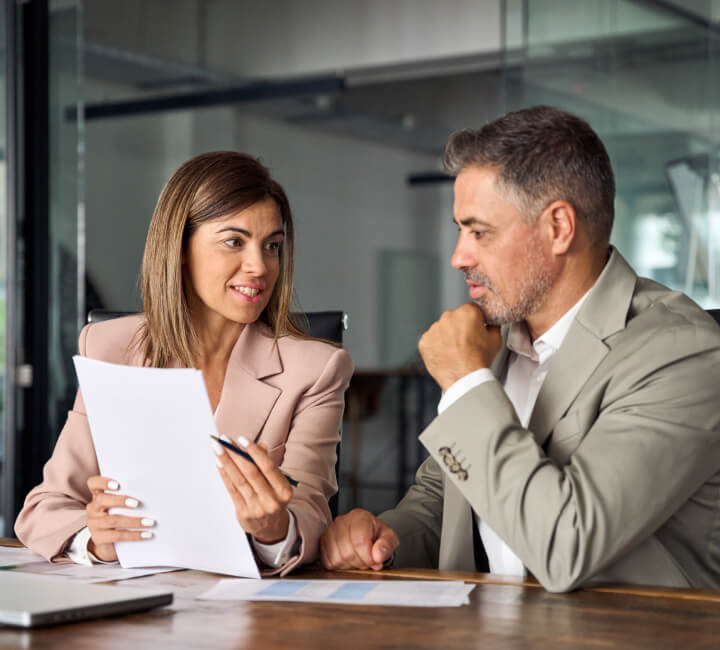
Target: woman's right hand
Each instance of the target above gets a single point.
(106, 529)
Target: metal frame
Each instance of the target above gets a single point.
(235, 95)
(7, 504)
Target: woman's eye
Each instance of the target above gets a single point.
(232, 243)
(273, 247)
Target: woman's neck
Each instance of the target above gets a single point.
(216, 340)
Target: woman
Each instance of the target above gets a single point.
(217, 286)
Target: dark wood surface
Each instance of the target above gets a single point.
(503, 613)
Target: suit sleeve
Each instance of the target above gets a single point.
(417, 519)
(310, 455)
(54, 511)
(653, 443)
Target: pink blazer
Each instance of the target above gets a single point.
(289, 396)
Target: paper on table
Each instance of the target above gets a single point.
(150, 428)
(88, 574)
(405, 593)
(11, 556)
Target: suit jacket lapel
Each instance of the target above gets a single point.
(603, 313)
(246, 400)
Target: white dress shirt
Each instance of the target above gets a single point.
(528, 365)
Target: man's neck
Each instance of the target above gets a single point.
(575, 279)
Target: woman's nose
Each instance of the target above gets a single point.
(254, 261)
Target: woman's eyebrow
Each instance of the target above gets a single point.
(247, 233)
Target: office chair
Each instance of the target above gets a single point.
(715, 313)
(328, 325)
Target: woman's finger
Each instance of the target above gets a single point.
(97, 484)
(103, 501)
(264, 472)
(104, 522)
(112, 535)
(237, 497)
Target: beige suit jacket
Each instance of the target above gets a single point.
(616, 478)
(289, 396)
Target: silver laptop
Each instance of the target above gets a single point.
(29, 600)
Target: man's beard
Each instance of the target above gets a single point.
(536, 283)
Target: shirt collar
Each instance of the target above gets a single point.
(545, 346)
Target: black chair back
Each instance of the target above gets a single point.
(715, 313)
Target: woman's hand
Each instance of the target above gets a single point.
(260, 492)
(106, 529)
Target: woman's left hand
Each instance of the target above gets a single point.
(260, 492)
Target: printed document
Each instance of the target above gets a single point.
(405, 593)
(150, 428)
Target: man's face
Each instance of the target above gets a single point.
(506, 261)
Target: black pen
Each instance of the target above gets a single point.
(229, 445)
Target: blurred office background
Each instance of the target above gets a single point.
(349, 102)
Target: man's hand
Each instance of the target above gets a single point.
(357, 540)
(458, 344)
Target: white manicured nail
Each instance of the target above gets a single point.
(217, 447)
(243, 441)
(147, 522)
(113, 485)
(146, 534)
(132, 503)
(217, 462)
(225, 438)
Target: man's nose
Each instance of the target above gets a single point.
(462, 257)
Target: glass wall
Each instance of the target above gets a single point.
(352, 121)
(647, 81)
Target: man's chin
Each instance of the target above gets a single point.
(495, 319)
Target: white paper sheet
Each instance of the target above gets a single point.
(150, 427)
(88, 574)
(404, 593)
(12, 555)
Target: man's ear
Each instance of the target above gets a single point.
(561, 221)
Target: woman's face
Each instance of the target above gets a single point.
(232, 264)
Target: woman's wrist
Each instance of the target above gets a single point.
(274, 533)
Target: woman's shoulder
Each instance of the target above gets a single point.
(115, 340)
(313, 356)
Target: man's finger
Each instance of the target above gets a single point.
(385, 544)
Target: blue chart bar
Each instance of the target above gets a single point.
(352, 591)
(283, 588)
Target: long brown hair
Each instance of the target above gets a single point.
(207, 187)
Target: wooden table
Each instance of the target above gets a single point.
(503, 613)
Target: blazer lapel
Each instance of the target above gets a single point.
(246, 400)
(603, 313)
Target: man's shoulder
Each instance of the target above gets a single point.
(659, 309)
(113, 340)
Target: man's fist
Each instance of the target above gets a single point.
(357, 540)
(458, 344)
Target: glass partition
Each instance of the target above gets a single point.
(645, 79)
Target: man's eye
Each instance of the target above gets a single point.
(478, 234)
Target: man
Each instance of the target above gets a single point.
(578, 436)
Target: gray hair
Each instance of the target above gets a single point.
(542, 154)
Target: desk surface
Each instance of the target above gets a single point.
(502, 614)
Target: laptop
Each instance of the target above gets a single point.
(28, 600)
